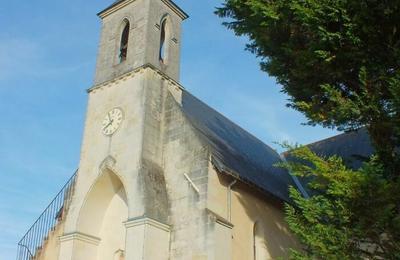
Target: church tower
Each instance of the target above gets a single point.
(136, 33)
(162, 176)
(120, 209)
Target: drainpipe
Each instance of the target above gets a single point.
(230, 199)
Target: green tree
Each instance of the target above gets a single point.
(338, 60)
(351, 214)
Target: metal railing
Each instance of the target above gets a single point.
(31, 244)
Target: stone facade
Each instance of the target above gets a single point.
(145, 18)
(150, 191)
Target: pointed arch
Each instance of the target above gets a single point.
(103, 214)
(165, 39)
(124, 40)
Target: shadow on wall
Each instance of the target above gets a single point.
(261, 218)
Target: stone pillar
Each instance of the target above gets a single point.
(78, 246)
(147, 239)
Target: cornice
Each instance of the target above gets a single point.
(219, 219)
(80, 237)
(147, 221)
(114, 7)
(176, 9)
(120, 4)
(132, 73)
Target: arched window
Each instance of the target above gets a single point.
(123, 49)
(163, 43)
(260, 245)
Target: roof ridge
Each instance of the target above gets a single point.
(329, 138)
(335, 136)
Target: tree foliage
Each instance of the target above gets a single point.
(351, 215)
(339, 63)
(338, 60)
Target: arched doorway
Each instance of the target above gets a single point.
(103, 215)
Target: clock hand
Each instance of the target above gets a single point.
(111, 121)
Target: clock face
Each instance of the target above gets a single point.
(112, 121)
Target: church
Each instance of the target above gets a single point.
(162, 175)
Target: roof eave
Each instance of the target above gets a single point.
(226, 171)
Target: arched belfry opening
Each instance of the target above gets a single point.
(165, 35)
(123, 49)
(103, 215)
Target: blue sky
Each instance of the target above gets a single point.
(47, 60)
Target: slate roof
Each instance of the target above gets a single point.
(354, 147)
(238, 153)
(235, 151)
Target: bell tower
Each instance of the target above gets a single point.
(120, 208)
(136, 33)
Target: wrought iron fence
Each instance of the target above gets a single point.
(31, 244)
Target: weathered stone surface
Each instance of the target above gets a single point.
(151, 184)
(145, 17)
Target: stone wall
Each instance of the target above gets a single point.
(144, 17)
(247, 207)
(184, 153)
(108, 66)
